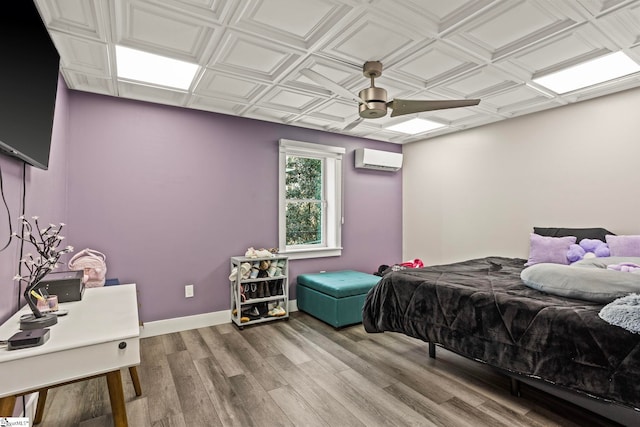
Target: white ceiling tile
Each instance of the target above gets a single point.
(370, 37)
(623, 25)
(561, 51)
(284, 99)
(151, 94)
(478, 83)
(337, 111)
(269, 115)
(83, 55)
(216, 105)
(151, 28)
(89, 83)
(254, 57)
(215, 11)
(251, 53)
(597, 7)
(300, 23)
(86, 18)
(510, 26)
(433, 63)
(218, 85)
(451, 115)
(514, 99)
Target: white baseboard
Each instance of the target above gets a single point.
(177, 324)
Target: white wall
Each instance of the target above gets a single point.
(480, 192)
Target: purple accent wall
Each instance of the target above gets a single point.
(169, 194)
(46, 197)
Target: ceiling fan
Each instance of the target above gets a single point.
(373, 102)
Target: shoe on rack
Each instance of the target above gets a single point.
(277, 312)
(260, 287)
(253, 313)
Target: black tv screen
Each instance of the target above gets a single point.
(28, 83)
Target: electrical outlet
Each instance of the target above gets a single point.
(188, 291)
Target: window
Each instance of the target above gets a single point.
(310, 199)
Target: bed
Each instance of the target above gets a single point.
(481, 309)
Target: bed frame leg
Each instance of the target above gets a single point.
(432, 350)
(515, 387)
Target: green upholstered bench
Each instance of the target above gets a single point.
(334, 297)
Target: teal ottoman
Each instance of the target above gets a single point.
(334, 297)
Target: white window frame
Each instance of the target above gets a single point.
(332, 184)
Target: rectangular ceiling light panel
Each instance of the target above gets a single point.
(415, 126)
(589, 73)
(154, 69)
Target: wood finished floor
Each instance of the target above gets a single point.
(302, 372)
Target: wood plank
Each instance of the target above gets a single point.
(318, 353)
(297, 409)
(173, 343)
(219, 347)
(425, 382)
(261, 408)
(160, 389)
(176, 420)
(62, 406)
(137, 413)
(363, 401)
(471, 414)
(195, 344)
(232, 408)
(151, 350)
(324, 402)
(339, 347)
(477, 377)
(506, 415)
(197, 408)
(426, 407)
(255, 364)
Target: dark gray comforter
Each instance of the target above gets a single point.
(481, 309)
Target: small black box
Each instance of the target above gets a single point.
(25, 339)
(67, 285)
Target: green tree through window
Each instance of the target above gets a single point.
(309, 199)
(304, 201)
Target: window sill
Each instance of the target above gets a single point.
(312, 253)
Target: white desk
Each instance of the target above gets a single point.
(99, 336)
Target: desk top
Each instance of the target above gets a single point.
(105, 314)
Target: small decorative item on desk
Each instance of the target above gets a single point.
(46, 241)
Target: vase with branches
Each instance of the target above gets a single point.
(47, 243)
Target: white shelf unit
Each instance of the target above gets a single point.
(243, 301)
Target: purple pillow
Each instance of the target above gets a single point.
(624, 245)
(549, 249)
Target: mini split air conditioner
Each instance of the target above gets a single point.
(367, 158)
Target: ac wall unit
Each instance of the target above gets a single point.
(367, 158)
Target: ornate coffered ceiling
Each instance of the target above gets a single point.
(251, 53)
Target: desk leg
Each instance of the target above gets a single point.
(6, 406)
(133, 371)
(42, 399)
(116, 396)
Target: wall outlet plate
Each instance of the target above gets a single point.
(188, 291)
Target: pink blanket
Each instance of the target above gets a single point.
(629, 267)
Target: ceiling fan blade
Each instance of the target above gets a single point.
(406, 106)
(353, 124)
(330, 84)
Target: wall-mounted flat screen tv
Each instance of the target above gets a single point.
(29, 71)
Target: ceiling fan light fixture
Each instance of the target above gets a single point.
(415, 126)
(599, 70)
(149, 68)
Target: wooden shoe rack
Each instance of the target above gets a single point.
(255, 295)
